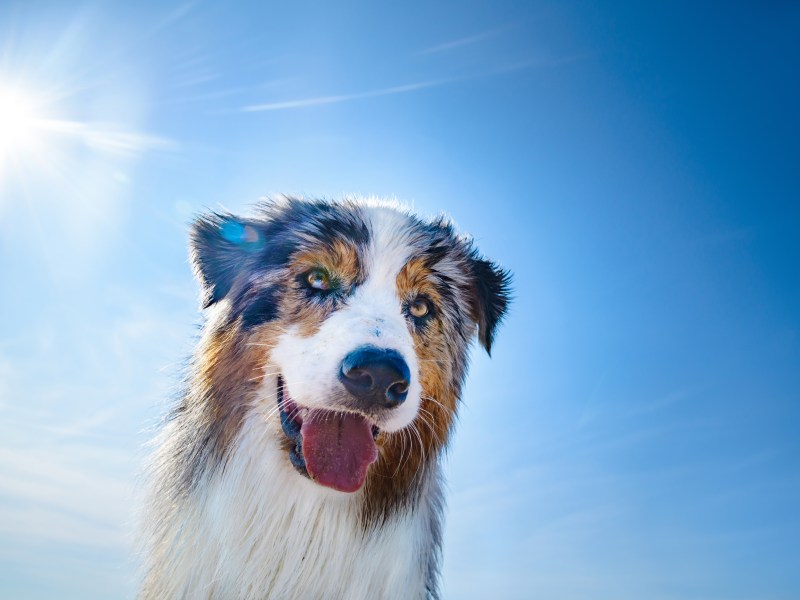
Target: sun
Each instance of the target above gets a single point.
(19, 121)
(26, 132)
(36, 137)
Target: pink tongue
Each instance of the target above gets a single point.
(338, 448)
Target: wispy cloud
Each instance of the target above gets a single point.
(108, 137)
(58, 495)
(177, 14)
(82, 427)
(664, 402)
(201, 78)
(6, 373)
(520, 65)
(320, 100)
(465, 41)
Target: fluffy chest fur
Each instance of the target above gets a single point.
(302, 461)
(305, 542)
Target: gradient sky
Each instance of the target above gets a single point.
(636, 433)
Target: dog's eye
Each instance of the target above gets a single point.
(419, 308)
(318, 279)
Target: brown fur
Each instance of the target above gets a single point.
(395, 479)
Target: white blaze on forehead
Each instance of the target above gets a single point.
(389, 248)
(373, 316)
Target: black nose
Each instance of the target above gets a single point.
(377, 377)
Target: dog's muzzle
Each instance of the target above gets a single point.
(335, 446)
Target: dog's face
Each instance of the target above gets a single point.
(351, 322)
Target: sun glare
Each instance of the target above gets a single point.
(19, 122)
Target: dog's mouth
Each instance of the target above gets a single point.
(331, 447)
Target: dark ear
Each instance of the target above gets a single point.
(491, 294)
(221, 246)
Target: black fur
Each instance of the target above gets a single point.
(262, 309)
(220, 245)
(489, 299)
(490, 291)
(224, 246)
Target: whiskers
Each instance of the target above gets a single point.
(270, 399)
(422, 434)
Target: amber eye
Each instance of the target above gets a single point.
(318, 279)
(419, 308)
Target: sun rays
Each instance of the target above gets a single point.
(35, 134)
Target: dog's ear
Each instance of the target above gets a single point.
(221, 246)
(489, 297)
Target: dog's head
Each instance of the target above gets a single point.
(350, 322)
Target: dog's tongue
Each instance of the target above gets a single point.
(338, 448)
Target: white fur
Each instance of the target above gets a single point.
(287, 536)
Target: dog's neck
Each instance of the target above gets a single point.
(292, 537)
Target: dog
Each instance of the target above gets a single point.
(303, 458)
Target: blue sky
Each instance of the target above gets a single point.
(636, 433)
